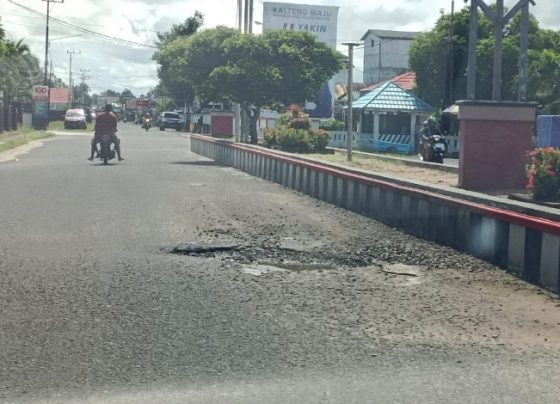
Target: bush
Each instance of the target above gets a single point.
(293, 132)
(269, 137)
(294, 118)
(320, 139)
(290, 138)
(332, 125)
(543, 172)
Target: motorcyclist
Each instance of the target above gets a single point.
(429, 130)
(106, 124)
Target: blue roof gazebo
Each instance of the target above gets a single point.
(390, 117)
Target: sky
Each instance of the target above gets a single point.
(112, 64)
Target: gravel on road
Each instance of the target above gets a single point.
(168, 278)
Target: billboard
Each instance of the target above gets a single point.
(131, 103)
(40, 93)
(319, 20)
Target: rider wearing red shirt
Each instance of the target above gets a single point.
(106, 124)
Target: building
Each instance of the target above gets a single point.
(58, 103)
(385, 54)
(390, 118)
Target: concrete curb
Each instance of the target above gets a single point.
(526, 245)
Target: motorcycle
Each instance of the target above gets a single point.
(147, 124)
(437, 144)
(106, 153)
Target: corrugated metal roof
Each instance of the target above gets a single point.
(406, 80)
(392, 97)
(385, 33)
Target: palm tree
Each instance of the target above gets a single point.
(19, 67)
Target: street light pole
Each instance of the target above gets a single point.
(349, 91)
(70, 86)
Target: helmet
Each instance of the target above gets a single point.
(108, 108)
(431, 121)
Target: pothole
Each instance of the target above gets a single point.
(412, 271)
(406, 275)
(262, 268)
(197, 249)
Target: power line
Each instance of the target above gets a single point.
(85, 30)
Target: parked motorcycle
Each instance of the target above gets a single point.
(147, 124)
(433, 149)
(107, 152)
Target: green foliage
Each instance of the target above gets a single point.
(81, 95)
(332, 125)
(290, 138)
(295, 118)
(269, 136)
(172, 59)
(19, 69)
(277, 68)
(429, 57)
(293, 133)
(320, 139)
(190, 26)
(20, 138)
(57, 82)
(543, 172)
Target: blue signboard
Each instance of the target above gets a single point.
(40, 109)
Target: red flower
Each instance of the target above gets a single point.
(550, 173)
(549, 150)
(533, 153)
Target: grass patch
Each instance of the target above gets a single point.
(394, 168)
(361, 162)
(11, 140)
(59, 126)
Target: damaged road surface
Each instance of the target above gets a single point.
(129, 284)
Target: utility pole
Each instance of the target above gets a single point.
(236, 107)
(70, 86)
(46, 80)
(349, 94)
(451, 66)
(251, 10)
(84, 79)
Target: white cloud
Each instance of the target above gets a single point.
(118, 66)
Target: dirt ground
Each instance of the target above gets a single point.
(395, 168)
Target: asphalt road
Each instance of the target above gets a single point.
(306, 303)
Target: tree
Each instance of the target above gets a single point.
(277, 68)
(126, 93)
(81, 94)
(110, 93)
(169, 56)
(430, 55)
(186, 29)
(20, 68)
(57, 82)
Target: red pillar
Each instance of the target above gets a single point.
(494, 140)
